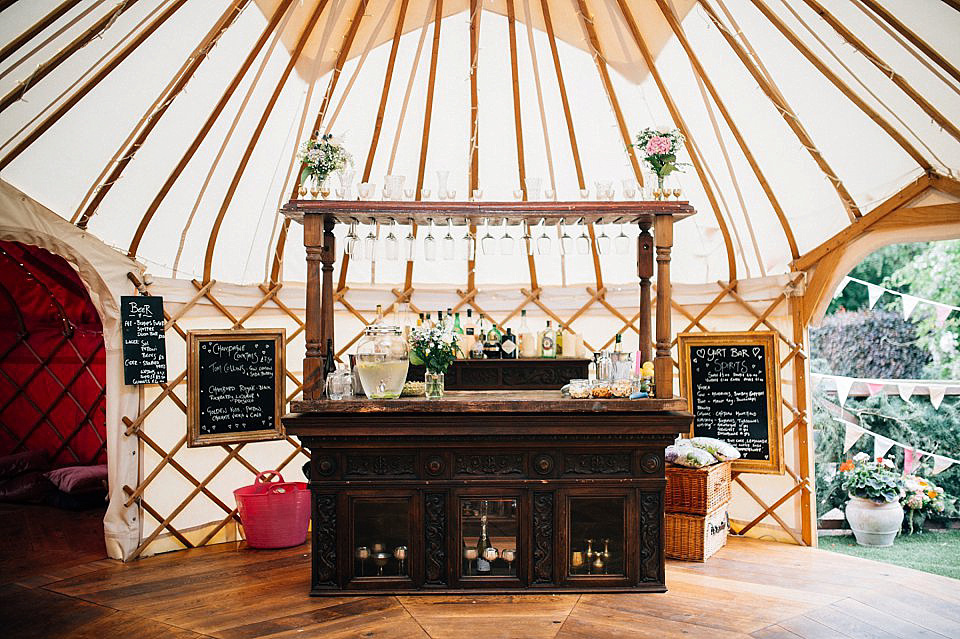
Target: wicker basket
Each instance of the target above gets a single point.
(697, 491)
(695, 537)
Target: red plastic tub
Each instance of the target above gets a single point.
(275, 514)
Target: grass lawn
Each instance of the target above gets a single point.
(931, 551)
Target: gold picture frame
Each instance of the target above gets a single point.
(767, 340)
(196, 340)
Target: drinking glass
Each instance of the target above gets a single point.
(603, 242)
(518, 194)
(506, 240)
(430, 245)
(452, 194)
(424, 194)
(527, 239)
(550, 194)
(583, 241)
(365, 189)
(487, 242)
(449, 244)
(339, 384)
(408, 194)
(533, 188)
(410, 244)
(629, 189)
(346, 180)
(621, 243)
(584, 194)
(604, 189)
(566, 242)
(442, 184)
(543, 242)
(392, 244)
(477, 194)
(339, 193)
(393, 186)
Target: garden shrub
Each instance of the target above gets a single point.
(868, 344)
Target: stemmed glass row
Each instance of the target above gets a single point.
(535, 241)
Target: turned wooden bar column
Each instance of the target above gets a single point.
(663, 364)
(318, 240)
(645, 272)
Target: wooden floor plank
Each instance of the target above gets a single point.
(928, 619)
(808, 628)
(834, 617)
(774, 632)
(491, 617)
(903, 628)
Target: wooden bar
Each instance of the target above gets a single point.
(313, 359)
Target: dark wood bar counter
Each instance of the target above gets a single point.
(569, 492)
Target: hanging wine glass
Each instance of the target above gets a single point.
(543, 242)
(621, 243)
(391, 243)
(566, 242)
(583, 241)
(603, 241)
(410, 244)
(449, 244)
(370, 245)
(487, 243)
(350, 246)
(527, 239)
(506, 240)
(470, 245)
(430, 245)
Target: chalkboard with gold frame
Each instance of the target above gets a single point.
(737, 386)
(235, 386)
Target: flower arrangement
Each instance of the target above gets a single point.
(873, 479)
(921, 499)
(660, 148)
(433, 347)
(322, 155)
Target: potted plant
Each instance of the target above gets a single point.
(873, 511)
(922, 499)
(320, 156)
(436, 349)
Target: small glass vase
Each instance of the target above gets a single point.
(433, 385)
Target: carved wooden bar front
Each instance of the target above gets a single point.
(568, 493)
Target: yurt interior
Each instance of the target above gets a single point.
(452, 318)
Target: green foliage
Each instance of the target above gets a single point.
(878, 268)
(870, 479)
(934, 553)
(868, 344)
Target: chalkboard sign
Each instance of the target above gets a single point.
(732, 384)
(235, 382)
(144, 344)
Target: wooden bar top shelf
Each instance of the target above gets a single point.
(488, 491)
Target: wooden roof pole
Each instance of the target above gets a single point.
(6, 3)
(548, 23)
(913, 38)
(888, 128)
(427, 116)
(255, 137)
(202, 133)
(773, 93)
(125, 156)
(378, 123)
(37, 28)
(678, 119)
(895, 77)
(324, 104)
(474, 178)
(518, 124)
(93, 31)
(699, 70)
(586, 19)
(89, 85)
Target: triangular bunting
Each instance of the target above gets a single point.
(943, 311)
(843, 285)
(851, 435)
(843, 388)
(910, 459)
(873, 293)
(940, 464)
(936, 395)
(874, 388)
(909, 303)
(906, 391)
(881, 445)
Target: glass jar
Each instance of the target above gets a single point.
(382, 361)
(580, 388)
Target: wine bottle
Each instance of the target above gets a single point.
(483, 542)
(508, 345)
(618, 344)
(548, 342)
(379, 319)
(526, 339)
(457, 328)
(559, 341)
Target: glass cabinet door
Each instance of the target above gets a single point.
(380, 538)
(601, 540)
(489, 531)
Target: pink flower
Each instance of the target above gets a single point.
(658, 145)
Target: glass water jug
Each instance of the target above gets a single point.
(382, 361)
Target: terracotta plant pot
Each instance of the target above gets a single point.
(874, 524)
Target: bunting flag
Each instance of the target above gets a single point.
(881, 445)
(844, 384)
(875, 388)
(906, 391)
(942, 311)
(852, 434)
(909, 303)
(843, 285)
(936, 395)
(873, 294)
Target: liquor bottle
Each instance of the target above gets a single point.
(420, 321)
(481, 331)
(559, 341)
(618, 344)
(491, 345)
(476, 346)
(483, 542)
(526, 339)
(449, 316)
(460, 338)
(508, 345)
(429, 323)
(379, 319)
(548, 342)
(440, 322)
